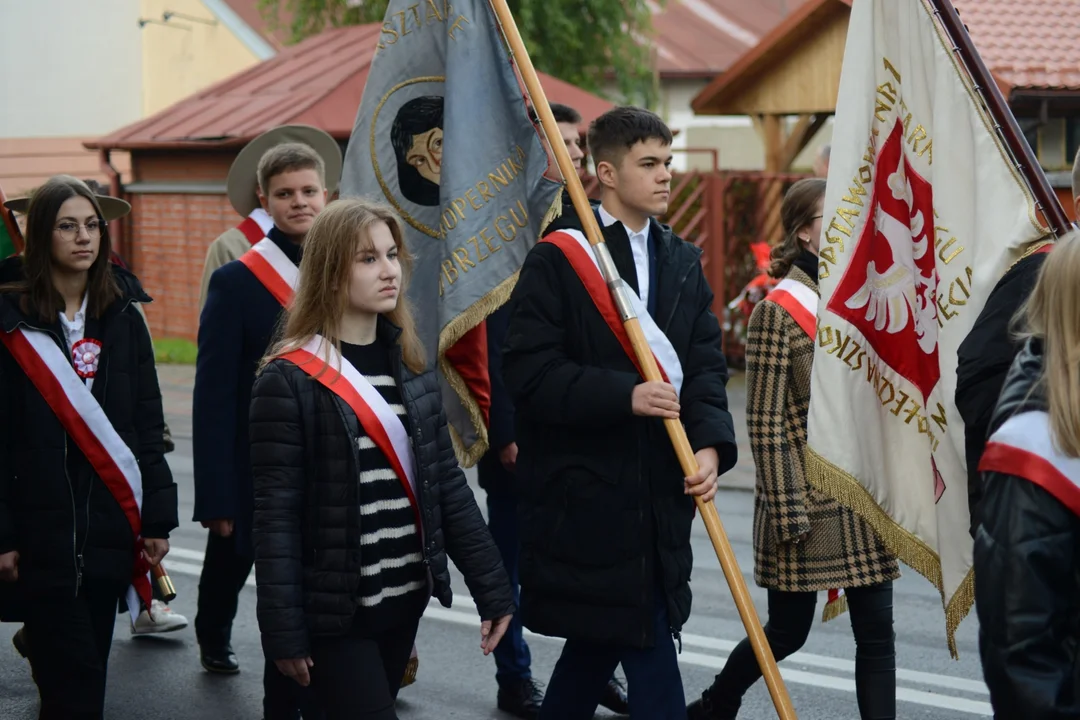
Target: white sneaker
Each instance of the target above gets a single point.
(160, 619)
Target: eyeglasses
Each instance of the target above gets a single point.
(69, 231)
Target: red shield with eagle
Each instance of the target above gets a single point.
(889, 290)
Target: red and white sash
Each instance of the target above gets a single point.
(256, 226)
(81, 415)
(1023, 446)
(580, 255)
(799, 301)
(378, 419)
(273, 269)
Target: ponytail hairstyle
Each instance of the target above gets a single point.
(322, 292)
(796, 213)
(1052, 315)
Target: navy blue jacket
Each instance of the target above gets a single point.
(491, 474)
(235, 330)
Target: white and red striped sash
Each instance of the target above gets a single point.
(378, 419)
(273, 269)
(799, 301)
(1023, 446)
(256, 226)
(580, 256)
(80, 414)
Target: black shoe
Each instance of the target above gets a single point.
(706, 708)
(220, 660)
(614, 697)
(19, 641)
(521, 698)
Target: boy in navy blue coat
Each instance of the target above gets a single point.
(289, 170)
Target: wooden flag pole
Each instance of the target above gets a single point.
(677, 433)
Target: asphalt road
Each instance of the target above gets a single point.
(159, 678)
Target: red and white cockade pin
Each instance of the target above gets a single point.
(85, 355)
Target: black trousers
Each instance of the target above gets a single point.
(791, 615)
(70, 637)
(358, 675)
(224, 573)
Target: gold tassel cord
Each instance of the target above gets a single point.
(469, 455)
(834, 610)
(913, 552)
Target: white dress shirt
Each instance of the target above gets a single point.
(639, 245)
(75, 330)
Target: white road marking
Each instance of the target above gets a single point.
(464, 613)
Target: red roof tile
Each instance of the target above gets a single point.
(317, 82)
(1027, 44)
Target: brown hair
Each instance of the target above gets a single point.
(1052, 315)
(287, 157)
(40, 296)
(797, 211)
(322, 292)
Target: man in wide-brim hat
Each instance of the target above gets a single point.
(288, 174)
(242, 190)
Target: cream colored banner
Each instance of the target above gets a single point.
(923, 214)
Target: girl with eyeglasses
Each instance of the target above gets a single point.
(86, 498)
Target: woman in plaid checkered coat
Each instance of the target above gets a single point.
(804, 541)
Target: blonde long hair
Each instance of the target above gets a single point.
(1052, 315)
(322, 292)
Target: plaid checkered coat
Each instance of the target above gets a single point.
(840, 549)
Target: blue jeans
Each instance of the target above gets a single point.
(512, 658)
(654, 685)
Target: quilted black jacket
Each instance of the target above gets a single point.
(307, 522)
(1027, 589)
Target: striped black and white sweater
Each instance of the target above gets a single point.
(393, 581)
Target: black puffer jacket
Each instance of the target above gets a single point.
(603, 517)
(307, 521)
(53, 507)
(1027, 570)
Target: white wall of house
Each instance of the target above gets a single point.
(71, 67)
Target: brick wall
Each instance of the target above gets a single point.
(168, 236)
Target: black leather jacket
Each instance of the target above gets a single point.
(1027, 588)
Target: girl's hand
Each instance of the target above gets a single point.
(9, 566)
(490, 636)
(154, 550)
(297, 669)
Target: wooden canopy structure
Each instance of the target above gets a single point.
(788, 83)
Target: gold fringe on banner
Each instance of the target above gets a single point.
(469, 455)
(840, 485)
(834, 610)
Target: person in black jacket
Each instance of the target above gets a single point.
(287, 171)
(66, 542)
(605, 512)
(358, 494)
(1026, 546)
(985, 355)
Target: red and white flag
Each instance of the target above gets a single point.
(923, 213)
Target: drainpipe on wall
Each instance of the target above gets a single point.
(115, 189)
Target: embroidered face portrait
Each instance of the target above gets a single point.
(417, 137)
